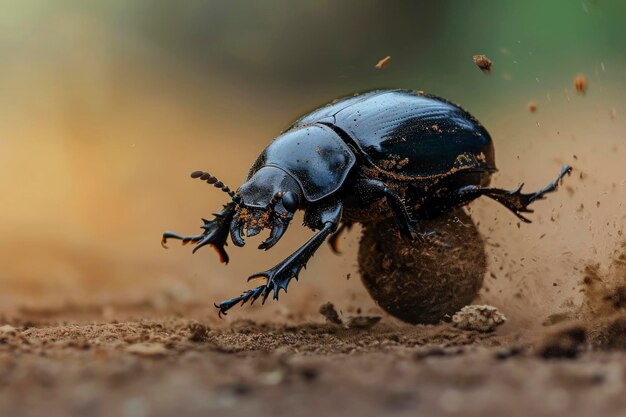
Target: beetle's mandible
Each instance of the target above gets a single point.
(386, 153)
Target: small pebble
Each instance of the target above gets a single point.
(483, 318)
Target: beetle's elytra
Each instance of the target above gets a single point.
(386, 153)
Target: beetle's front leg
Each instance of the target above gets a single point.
(278, 277)
(215, 232)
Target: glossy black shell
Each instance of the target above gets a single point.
(408, 134)
(314, 155)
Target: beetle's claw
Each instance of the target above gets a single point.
(518, 202)
(278, 230)
(250, 295)
(278, 278)
(236, 233)
(215, 233)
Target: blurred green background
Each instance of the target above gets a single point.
(105, 107)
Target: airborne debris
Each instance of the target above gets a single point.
(532, 106)
(483, 318)
(580, 82)
(383, 62)
(484, 63)
(330, 313)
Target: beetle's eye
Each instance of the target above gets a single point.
(290, 201)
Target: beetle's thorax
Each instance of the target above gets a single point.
(314, 155)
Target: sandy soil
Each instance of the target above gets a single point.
(169, 365)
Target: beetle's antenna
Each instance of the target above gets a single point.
(210, 179)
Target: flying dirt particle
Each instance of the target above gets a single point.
(328, 311)
(147, 349)
(565, 342)
(580, 83)
(383, 62)
(532, 106)
(556, 318)
(483, 63)
(362, 322)
(613, 113)
(482, 318)
(609, 333)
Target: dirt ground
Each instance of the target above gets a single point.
(185, 362)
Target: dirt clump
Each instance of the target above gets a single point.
(353, 322)
(483, 63)
(580, 83)
(567, 341)
(362, 322)
(482, 318)
(330, 314)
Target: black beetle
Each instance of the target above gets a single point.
(360, 159)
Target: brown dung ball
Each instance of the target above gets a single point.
(423, 282)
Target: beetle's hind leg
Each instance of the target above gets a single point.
(215, 232)
(514, 200)
(373, 189)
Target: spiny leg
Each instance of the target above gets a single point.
(378, 189)
(280, 275)
(514, 200)
(333, 240)
(215, 232)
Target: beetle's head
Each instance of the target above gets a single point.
(267, 200)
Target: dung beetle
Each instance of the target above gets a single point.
(380, 154)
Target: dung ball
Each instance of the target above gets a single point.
(423, 282)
